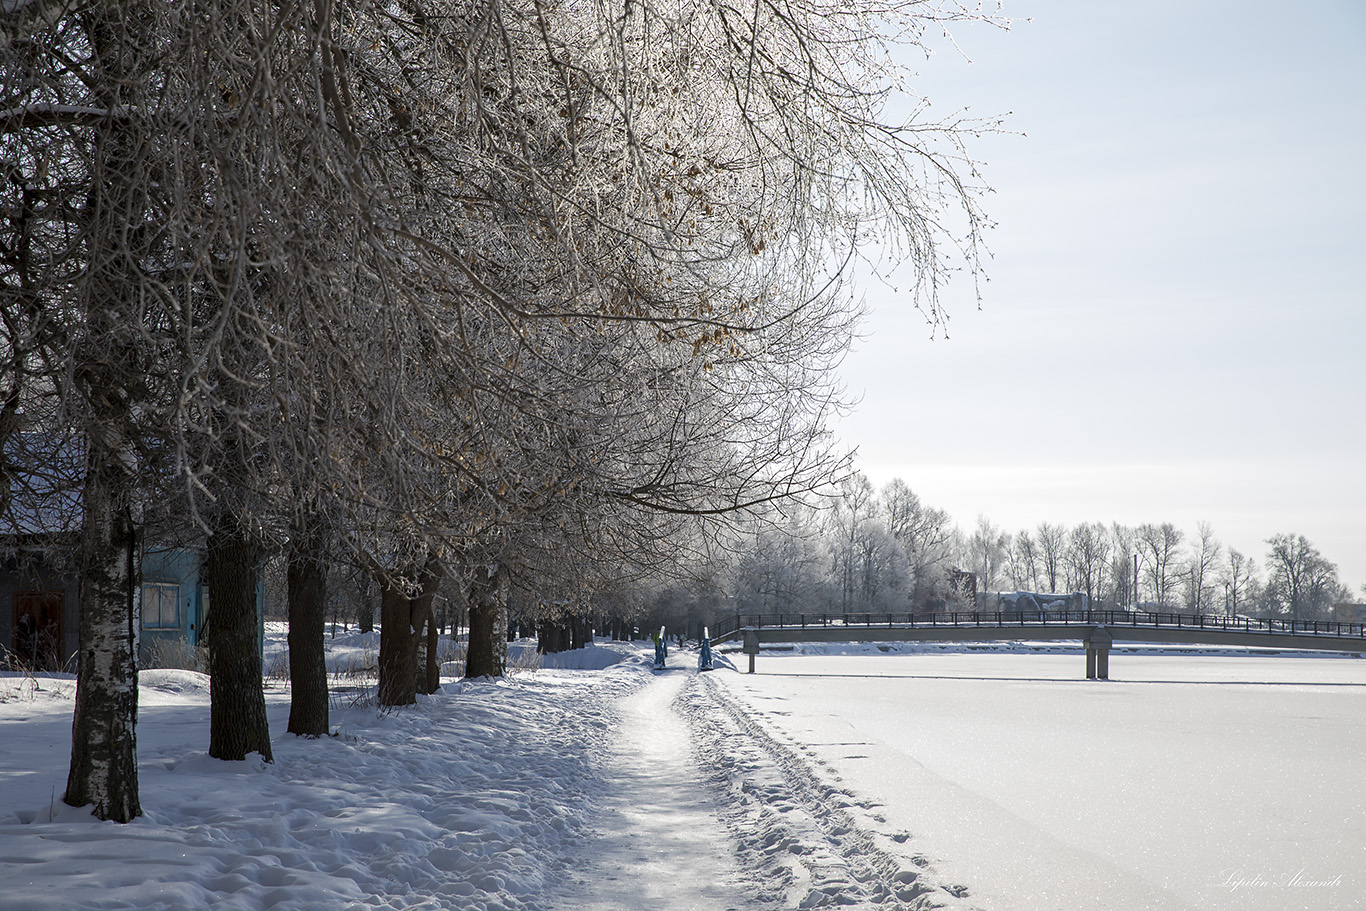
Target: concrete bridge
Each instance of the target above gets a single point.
(1097, 630)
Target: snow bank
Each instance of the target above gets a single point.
(480, 797)
(166, 686)
(596, 657)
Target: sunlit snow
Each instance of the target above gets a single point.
(860, 776)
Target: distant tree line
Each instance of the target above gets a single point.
(886, 550)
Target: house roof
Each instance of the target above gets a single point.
(41, 496)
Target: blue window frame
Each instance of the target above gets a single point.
(160, 605)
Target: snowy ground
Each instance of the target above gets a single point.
(955, 779)
(1232, 781)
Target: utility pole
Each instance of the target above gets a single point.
(1135, 581)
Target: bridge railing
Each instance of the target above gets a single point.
(730, 626)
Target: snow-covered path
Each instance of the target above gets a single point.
(659, 843)
(704, 808)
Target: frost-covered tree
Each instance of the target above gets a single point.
(1239, 577)
(1301, 582)
(1120, 579)
(988, 550)
(848, 522)
(885, 582)
(1088, 558)
(927, 536)
(1024, 561)
(656, 168)
(782, 564)
(1052, 540)
(1199, 572)
(1160, 557)
(73, 139)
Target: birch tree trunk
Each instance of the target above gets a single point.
(104, 766)
(106, 374)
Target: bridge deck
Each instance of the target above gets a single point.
(1084, 625)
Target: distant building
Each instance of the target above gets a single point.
(40, 602)
(1039, 602)
(40, 522)
(40, 582)
(1349, 613)
(963, 587)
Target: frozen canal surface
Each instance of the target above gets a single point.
(1186, 781)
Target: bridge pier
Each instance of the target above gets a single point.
(1098, 654)
(751, 646)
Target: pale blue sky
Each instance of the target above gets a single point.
(1173, 329)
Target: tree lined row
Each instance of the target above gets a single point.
(529, 296)
(888, 551)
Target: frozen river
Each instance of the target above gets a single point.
(1186, 781)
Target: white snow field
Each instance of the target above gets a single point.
(910, 779)
(1198, 781)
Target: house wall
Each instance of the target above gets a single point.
(30, 572)
(178, 567)
(182, 568)
(33, 573)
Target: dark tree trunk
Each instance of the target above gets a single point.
(546, 637)
(237, 712)
(104, 767)
(397, 647)
(487, 652)
(559, 635)
(365, 612)
(335, 612)
(308, 710)
(428, 672)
